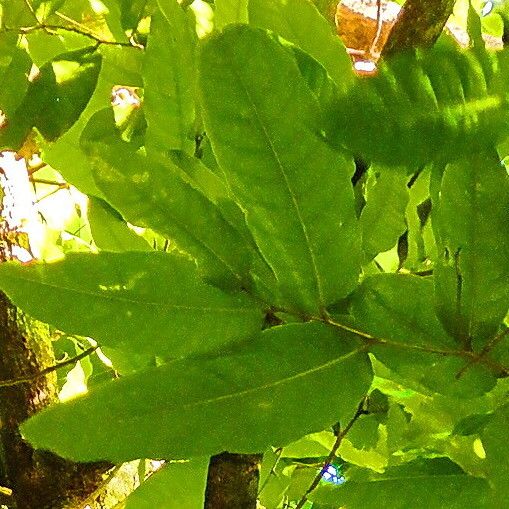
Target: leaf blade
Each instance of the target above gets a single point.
(247, 397)
(148, 302)
(283, 204)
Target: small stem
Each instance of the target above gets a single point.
(379, 25)
(332, 454)
(55, 28)
(49, 369)
(465, 354)
(485, 351)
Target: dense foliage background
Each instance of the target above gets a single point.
(318, 277)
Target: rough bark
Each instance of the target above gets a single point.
(232, 481)
(419, 24)
(38, 479)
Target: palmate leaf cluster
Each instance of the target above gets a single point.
(295, 287)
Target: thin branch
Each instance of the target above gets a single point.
(31, 9)
(332, 454)
(379, 26)
(56, 28)
(49, 369)
(370, 340)
(484, 352)
(50, 183)
(419, 24)
(279, 452)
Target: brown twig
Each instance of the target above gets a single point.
(419, 24)
(465, 354)
(485, 351)
(49, 369)
(332, 454)
(55, 28)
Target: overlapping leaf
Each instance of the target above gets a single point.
(422, 484)
(56, 98)
(148, 302)
(264, 125)
(149, 191)
(472, 293)
(269, 391)
(383, 217)
(431, 105)
(300, 23)
(169, 76)
(178, 484)
(399, 309)
(109, 231)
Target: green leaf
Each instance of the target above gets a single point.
(398, 309)
(14, 68)
(120, 65)
(422, 484)
(177, 484)
(472, 294)
(109, 231)
(295, 191)
(170, 89)
(147, 302)
(56, 98)
(300, 23)
(429, 105)
(494, 439)
(149, 191)
(472, 424)
(243, 401)
(383, 217)
(229, 11)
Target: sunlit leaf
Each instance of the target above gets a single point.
(178, 484)
(147, 302)
(229, 11)
(110, 232)
(242, 401)
(149, 191)
(169, 90)
(307, 231)
(494, 442)
(383, 217)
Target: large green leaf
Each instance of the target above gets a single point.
(56, 98)
(300, 22)
(426, 106)
(295, 191)
(148, 302)
(178, 484)
(169, 89)
(399, 309)
(472, 293)
(150, 191)
(383, 217)
(422, 484)
(268, 391)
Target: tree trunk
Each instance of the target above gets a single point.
(232, 481)
(419, 24)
